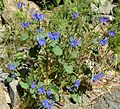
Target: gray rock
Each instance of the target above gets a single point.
(105, 101)
(15, 99)
(3, 102)
(10, 7)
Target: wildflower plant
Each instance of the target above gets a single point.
(58, 54)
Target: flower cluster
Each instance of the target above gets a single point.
(53, 36)
(47, 104)
(37, 16)
(104, 41)
(74, 42)
(98, 76)
(25, 24)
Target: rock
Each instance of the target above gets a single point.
(15, 99)
(3, 76)
(8, 100)
(32, 8)
(10, 7)
(3, 102)
(99, 100)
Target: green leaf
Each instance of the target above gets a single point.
(24, 85)
(24, 36)
(17, 63)
(57, 50)
(34, 96)
(76, 98)
(73, 79)
(74, 54)
(19, 55)
(53, 43)
(66, 1)
(57, 98)
(54, 88)
(68, 69)
(40, 35)
(32, 91)
(58, 1)
(17, 74)
(9, 79)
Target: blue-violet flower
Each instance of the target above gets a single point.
(74, 42)
(74, 15)
(19, 5)
(54, 36)
(103, 20)
(77, 83)
(37, 16)
(40, 42)
(46, 104)
(33, 85)
(11, 66)
(40, 90)
(25, 24)
(111, 33)
(103, 42)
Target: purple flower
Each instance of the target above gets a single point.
(70, 90)
(11, 66)
(54, 36)
(33, 85)
(103, 20)
(51, 96)
(95, 78)
(40, 17)
(111, 33)
(13, 75)
(48, 92)
(46, 104)
(25, 24)
(103, 42)
(74, 42)
(100, 75)
(74, 15)
(19, 5)
(53, 102)
(40, 42)
(37, 16)
(40, 90)
(77, 83)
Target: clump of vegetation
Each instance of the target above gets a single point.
(53, 58)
